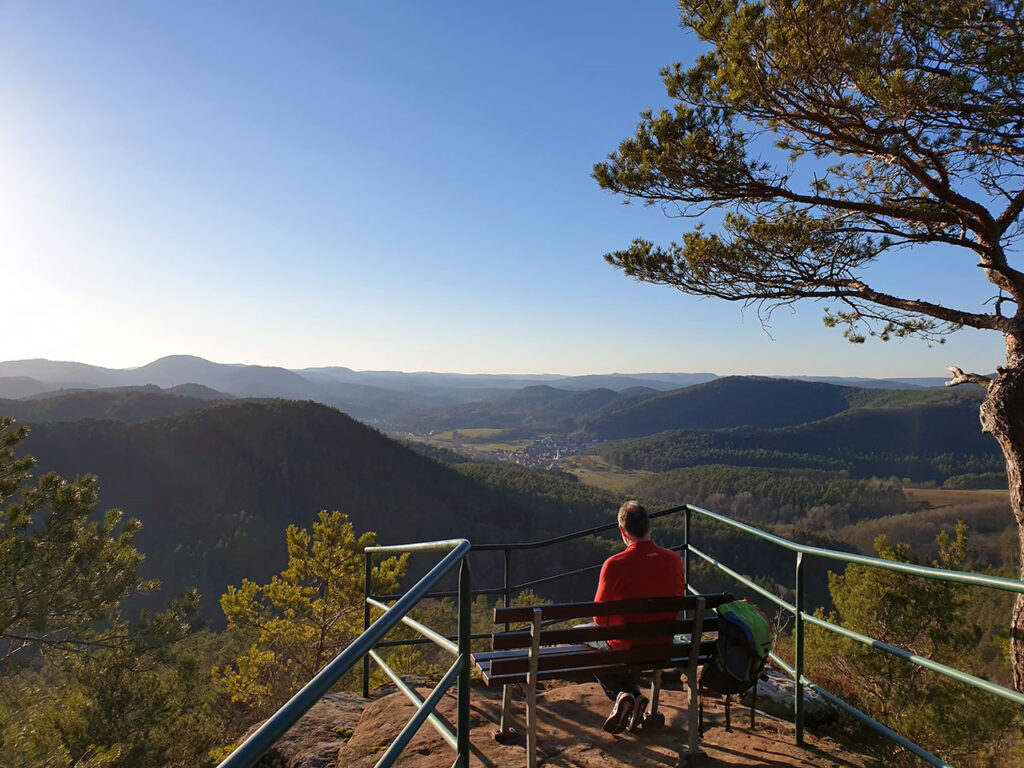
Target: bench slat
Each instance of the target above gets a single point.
(575, 656)
(517, 613)
(571, 635)
(582, 672)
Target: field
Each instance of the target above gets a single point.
(472, 434)
(472, 442)
(593, 470)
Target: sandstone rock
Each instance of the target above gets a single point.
(569, 734)
(314, 741)
(775, 697)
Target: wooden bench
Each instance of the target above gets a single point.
(526, 656)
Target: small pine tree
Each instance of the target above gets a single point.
(303, 617)
(60, 571)
(928, 618)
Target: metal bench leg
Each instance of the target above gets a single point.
(693, 724)
(728, 713)
(531, 693)
(654, 719)
(693, 687)
(700, 706)
(505, 733)
(655, 692)
(753, 705)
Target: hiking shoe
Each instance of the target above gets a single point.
(622, 713)
(639, 713)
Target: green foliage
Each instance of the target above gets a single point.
(528, 410)
(812, 498)
(80, 685)
(558, 497)
(927, 442)
(60, 572)
(306, 615)
(929, 618)
(993, 538)
(145, 702)
(896, 125)
(976, 480)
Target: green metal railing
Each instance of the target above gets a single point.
(802, 617)
(362, 647)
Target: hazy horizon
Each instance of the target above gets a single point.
(471, 373)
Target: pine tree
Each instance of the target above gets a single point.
(305, 616)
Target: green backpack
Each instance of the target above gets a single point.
(744, 641)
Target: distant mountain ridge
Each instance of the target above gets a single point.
(732, 401)
(373, 396)
(114, 403)
(723, 403)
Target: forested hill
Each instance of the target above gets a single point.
(117, 403)
(725, 403)
(535, 407)
(216, 488)
(736, 401)
(922, 442)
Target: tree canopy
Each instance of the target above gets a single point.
(60, 572)
(929, 618)
(306, 615)
(900, 123)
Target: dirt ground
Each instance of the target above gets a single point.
(569, 735)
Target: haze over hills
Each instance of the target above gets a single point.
(116, 403)
(723, 403)
(216, 479)
(374, 396)
(733, 401)
(216, 488)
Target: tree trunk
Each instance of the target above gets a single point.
(1002, 415)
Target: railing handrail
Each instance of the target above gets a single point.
(963, 577)
(568, 536)
(264, 737)
(796, 671)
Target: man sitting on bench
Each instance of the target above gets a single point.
(643, 570)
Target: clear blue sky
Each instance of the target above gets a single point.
(381, 185)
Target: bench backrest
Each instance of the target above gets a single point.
(586, 634)
(570, 661)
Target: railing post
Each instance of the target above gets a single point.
(367, 573)
(686, 547)
(507, 592)
(465, 632)
(798, 651)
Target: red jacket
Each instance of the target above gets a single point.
(643, 569)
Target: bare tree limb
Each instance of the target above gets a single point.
(959, 377)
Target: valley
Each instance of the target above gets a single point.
(211, 475)
(183, 445)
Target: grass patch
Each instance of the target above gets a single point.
(593, 470)
(472, 434)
